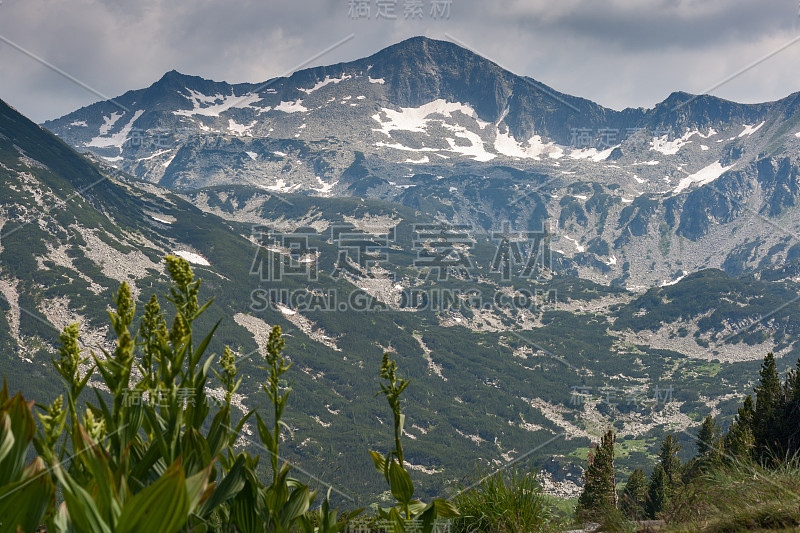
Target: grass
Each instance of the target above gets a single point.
(622, 449)
(562, 506)
(508, 502)
(740, 497)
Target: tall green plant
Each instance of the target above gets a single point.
(282, 505)
(504, 502)
(393, 468)
(26, 492)
(153, 428)
(146, 457)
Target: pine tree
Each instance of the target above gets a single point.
(708, 440)
(666, 478)
(709, 450)
(740, 440)
(599, 491)
(792, 411)
(633, 502)
(671, 463)
(657, 493)
(770, 407)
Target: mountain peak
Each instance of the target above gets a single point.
(424, 50)
(175, 78)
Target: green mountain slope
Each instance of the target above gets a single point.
(493, 380)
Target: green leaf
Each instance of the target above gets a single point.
(400, 483)
(228, 488)
(265, 434)
(378, 460)
(17, 419)
(7, 439)
(438, 508)
(397, 521)
(416, 507)
(162, 507)
(286, 427)
(83, 512)
(105, 493)
(198, 353)
(24, 503)
(240, 425)
(217, 435)
(445, 508)
(197, 488)
(202, 309)
(60, 520)
(297, 505)
(244, 510)
(141, 471)
(196, 453)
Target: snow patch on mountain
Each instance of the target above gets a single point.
(108, 122)
(327, 81)
(212, 106)
(281, 186)
(673, 282)
(665, 146)
(291, 107)
(153, 156)
(703, 176)
(506, 144)
(192, 257)
(398, 146)
(476, 149)
(118, 139)
(416, 119)
(163, 219)
(580, 248)
(240, 129)
(749, 130)
(592, 153)
(324, 188)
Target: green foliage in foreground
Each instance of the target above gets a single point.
(506, 502)
(739, 496)
(392, 466)
(151, 455)
(26, 492)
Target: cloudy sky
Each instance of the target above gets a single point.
(619, 53)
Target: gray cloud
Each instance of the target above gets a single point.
(617, 52)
